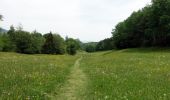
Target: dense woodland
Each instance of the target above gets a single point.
(148, 27)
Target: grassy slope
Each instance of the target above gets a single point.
(132, 74)
(32, 76)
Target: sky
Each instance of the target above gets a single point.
(88, 20)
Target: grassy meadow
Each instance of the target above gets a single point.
(32, 77)
(131, 74)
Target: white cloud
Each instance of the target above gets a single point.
(89, 20)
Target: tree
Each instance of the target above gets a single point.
(59, 44)
(71, 49)
(90, 48)
(37, 41)
(159, 22)
(11, 33)
(72, 46)
(1, 42)
(10, 44)
(146, 27)
(23, 42)
(54, 44)
(106, 44)
(11, 30)
(48, 47)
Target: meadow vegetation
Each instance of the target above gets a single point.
(32, 77)
(131, 74)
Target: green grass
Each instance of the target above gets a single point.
(131, 74)
(32, 76)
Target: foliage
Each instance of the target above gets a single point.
(1, 43)
(11, 32)
(71, 49)
(23, 42)
(59, 44)
(54, 44)
(10, 40)
(72, 46)
(8, 45)
(31, 43)
(106, 44)
(37, 41)
(146, 27)
(89, 47)
(48, 47)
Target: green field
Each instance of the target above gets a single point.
(32, 77)
(131, 74)
(128, 75)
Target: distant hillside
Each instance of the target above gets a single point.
(3, 30)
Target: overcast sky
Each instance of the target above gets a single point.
(88, 20)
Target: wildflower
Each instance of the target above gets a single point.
(164, 94)
(8, 93)
(106, 97)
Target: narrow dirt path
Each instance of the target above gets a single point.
(75, 85)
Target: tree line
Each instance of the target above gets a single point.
(148, 27)
(103, 45)
(18, 40)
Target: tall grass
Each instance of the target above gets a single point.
(32, 77)
(133, 74)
